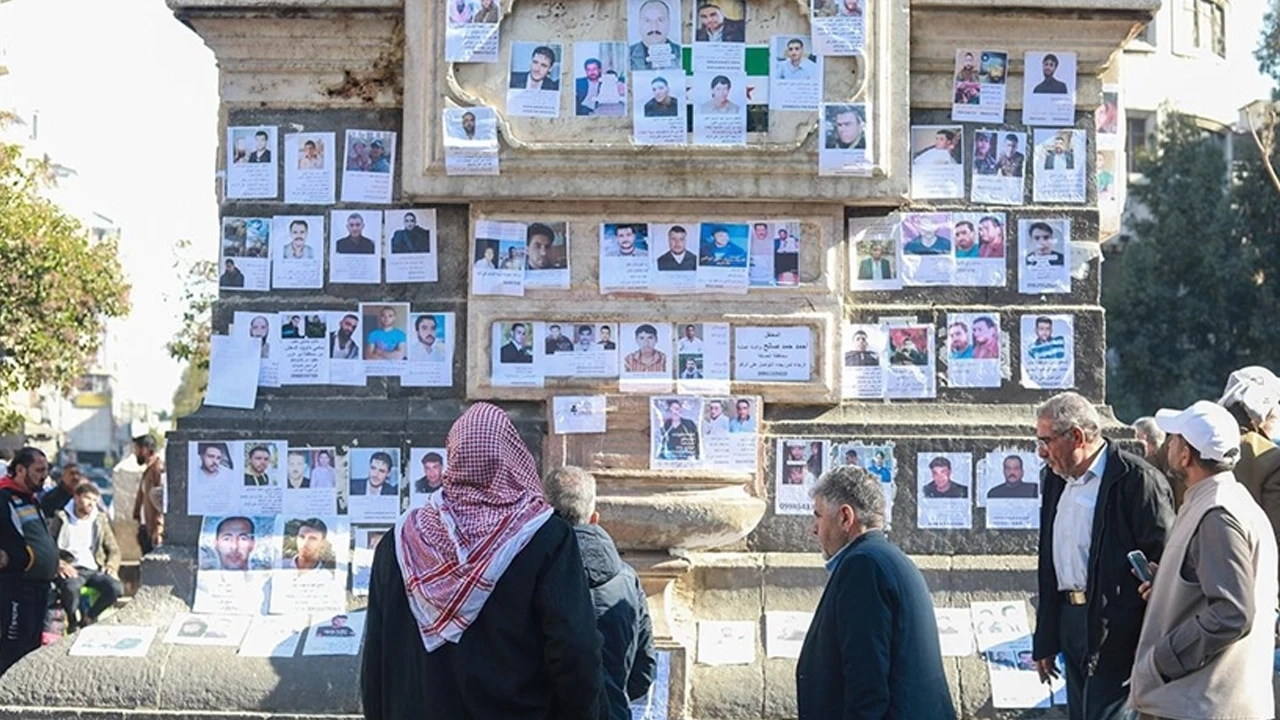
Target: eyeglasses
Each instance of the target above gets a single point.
(1043, 442)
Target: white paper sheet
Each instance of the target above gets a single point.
(955, 633)
(1009, 488)
(799, 463)
(310, 168)
(979, 241)
(839, 26)
(338, 634)
(425, 474)
(658, 113)
(973, 350)
(674, 432)
(312, 574)
(784, 633)
(470, 141)
(945, 487)
(723, 257)
(385, 338)
(773, 354)
(374, 484)
(251, 163)
(512, 355)
(720, 109)
(233, 372)
(702, 358)
(910, 371)
(1062, 156)
(131, 641)
(355, 253)
(1044, 255)
(533, 87)
(647, 362)
(999, 167)
(412, 245)
(1049, 89)
(311, 481)
(654, 35)
(726, 642)
(729, 433)
(624, 257)
(1048, 351)
(979, 88)
(245, 262)
(304, 347)
(299, 251)
(367, 539)
(864, 361)
(275, 636)
(795, 73)
(578, 414)
(498, 266)
(369, 167)
(927, 253)
(937, 161)
(432, 338)
(471, 30)
(845, 147)
(207, 630)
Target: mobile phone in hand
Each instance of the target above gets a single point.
(1138, 560)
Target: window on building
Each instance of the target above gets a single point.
(1206, 23)
(1138, 139)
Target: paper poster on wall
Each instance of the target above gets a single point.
(411, 245)
(273, 636)
(1108, 170)
(580, 350)
(979, 90)
(499, 259)
(246, 254)
(1045, 253)
(723, 257)
(304, 348)
(430, 356)
(264, 470)
(910, 372)
(973, 350)
(374, 485)
(299, 254)
(1009, 488)
(675, 437)
(729, 433)
(471, 30)
(864, 359)
(263, 327)
(937, 161)
(386, 338)
(653, 34)
(346, 366)
(799, 463)
(1049, 89)
(877, 459)
(207, 630)
(533, 87)
(774, 248)
(251, 163)
(653, 704)
(1004, 638)
(624, 257)
(512, 355)
(547, 255)
(1106, 119)
(944, 501)
(311, 481)
(980, 249)
(579, 414)
(1061, 159)
(773, 354)
(234, 365)
(647, 365)
(955, 631)
(846, 144)
(719, 36)
(366, 542)
(702, 358)
(600, 73)
(310, 168)
(999, 167)
(720, 109)
(129, 641)
(876, 261)
(1048, 352)
(470, 140)
(839, 26)
(795, 82)
(784, 633)
(928, 256)
(369, 167)
(658, 115)
(312, 574)
(214, 476)
(354, 255)
(726, 642)
(673, 258)
(426, 473)
(236, 554)
(339, 634)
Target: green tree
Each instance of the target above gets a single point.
(190, 344)
(58, 287)
(1193, 303)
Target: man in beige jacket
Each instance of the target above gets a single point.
(1205, 651)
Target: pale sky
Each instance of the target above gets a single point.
(128, 97)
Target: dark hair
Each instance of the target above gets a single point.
(966, 222)
(146, 442)
(410, 215)
(553, 326)
(254, 450)
(301, 222)
(795, 41)
(948, 134)
(313, 522)
(646, 329)
(262, 134)
(87, 488)
(382, 457)
(312, 143)
(465, 114)
(985, 321)
(585, 328)
(719, 229)
(518, 325)
(720, 80)
(856, 333)
(432, 457)
(1011, 137)
(658, 79)
(590, 62)
(1007, 458)
(1040, 226)
(545, 52)
(1044, 320)
(1050, 56)
(1214, 466)
(991, 219)
(673, 401)
(432, 318)
(678, 228)
(540, 229)
(940, 462)
(233, 518)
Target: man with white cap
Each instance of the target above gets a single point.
(1252, 396)
(1206, 645)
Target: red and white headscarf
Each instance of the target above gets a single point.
(453, 550)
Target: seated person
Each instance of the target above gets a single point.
(89, 555)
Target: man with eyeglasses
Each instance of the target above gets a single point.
(1099, 503)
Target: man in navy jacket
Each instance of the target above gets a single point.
(872, 648)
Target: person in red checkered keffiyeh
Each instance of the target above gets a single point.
(478, 606)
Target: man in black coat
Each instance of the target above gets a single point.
(872, 651)
(1099, 503)
(622, 613)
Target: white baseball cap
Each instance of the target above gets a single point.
(1206, 426)
(1254, 387)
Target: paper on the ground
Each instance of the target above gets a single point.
(336, 634)
(955, 633)
(310, 168)
(726, 642)
(196, 629)
(784, 633)
(274, 635)
(575, 414)
(233, 372)
(133, 641)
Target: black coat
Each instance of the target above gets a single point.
(872, 651)
(1134, 512)
(622, 617)
(531, 654)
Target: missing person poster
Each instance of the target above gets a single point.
(1049, 89)
(1009, 489)
(999, 167)
(676, 437)
(251, 163)
(411, 245)
(973, 350)
(1062, 157)
(310, 168)
(799, 463)
(1045, 255)
(980, 249)
(910, 371)
(1048, 352)
(943, 481)
(979, 89)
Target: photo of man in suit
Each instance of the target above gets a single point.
(876, 267)
(654, 51)
(677, 258)
(518, 349)
(714, 27)
(538, 76)
(1059, 157)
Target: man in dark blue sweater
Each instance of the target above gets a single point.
(872, 649)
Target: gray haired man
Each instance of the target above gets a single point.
(1098, 503)
(622, 614)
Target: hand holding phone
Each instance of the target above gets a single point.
(1141, 567)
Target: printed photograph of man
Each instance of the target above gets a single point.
(677, 258)
(723, 246)
(742, 421)
(678, 435)
(542, 252)
(712, 25)
(846, 124)
(261, 153)
(995, 67)
(959, 346)
(307, 546)
(990, 237)
(556, 341)
(541, 73)
(585, 339)
(1050, 85)
(387, 340)
(468, 125)
(1047, 346)
(880, 467)
(601, 90)
(428, 345)
(432, 474)
(1013, 487)
(322, 472)
(259, 461)
(357, 154)
(311, 155)
(984, 153)
(837, 8)
(966, 238)
(690, 343)
(940, 484)
(1060, 156)
(986, 339)
(719, 104)
(216, 465)
(380, 478)
(715, 422)
(487, 13)
(794, 62)
(923, 235)
(662, 103)
(519, 348)
(650, 24)
(342, 341)
(786, 256)
(1011, 160)
(606, 342)
(690, 367)
(355, 243)
(647, 358)
(293, 329)
(411, 237)
(486, 254)
(296, 248)
(234, 540)
(874, 265)
(908, 346)
(860, 356)
(1043, 243)
(295, 473)
(941, 146)
(231, 276)
(260, 327)
(625, 240)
